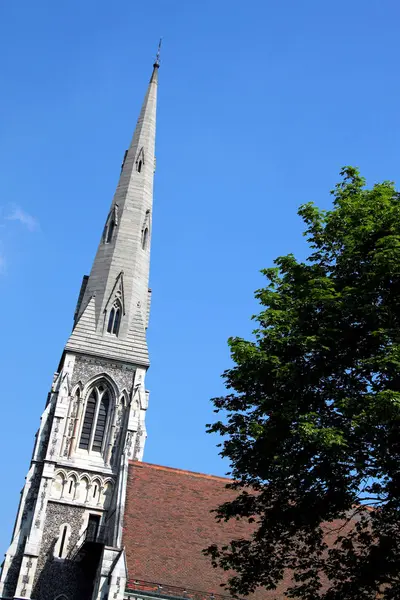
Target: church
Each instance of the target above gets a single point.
(94, 521)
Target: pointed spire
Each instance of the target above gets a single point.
(124, 246)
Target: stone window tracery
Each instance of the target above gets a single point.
(95, 420)
(114, 318)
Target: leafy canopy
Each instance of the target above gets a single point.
(312, 421)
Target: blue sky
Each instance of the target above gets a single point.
(260, 104)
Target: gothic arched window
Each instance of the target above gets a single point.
(95, 420)
(111, 223)
(110, 231)
(114, 319)
(140, 160)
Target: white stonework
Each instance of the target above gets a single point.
(68, 530)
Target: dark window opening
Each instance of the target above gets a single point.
(101, 423)
(139, 167)
(95, 421)
(95, 491)
(110, 231)
(145, 238)
(93, 527)
(62, 543)
(70, 487)
(88, 421)
(111, 321)
(114, 319)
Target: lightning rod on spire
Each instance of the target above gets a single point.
(157, 61)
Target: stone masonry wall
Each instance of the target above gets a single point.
(58, 576)
(85, 368)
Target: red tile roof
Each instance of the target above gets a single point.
(168, 523)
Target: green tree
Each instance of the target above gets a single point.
(311, 425)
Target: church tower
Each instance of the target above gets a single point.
(67, 539)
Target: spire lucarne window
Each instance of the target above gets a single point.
(111, 223)
(95, 420)
(114, 318)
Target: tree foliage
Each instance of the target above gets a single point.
(311, 424)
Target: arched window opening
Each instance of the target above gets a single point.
(95, 420)
(58, 486)
(82, 491)
(145, 238)
(62, 543)
(111, 320)
(70, 486)
(139, 167)
(110, 231)
(114, 319)
(95, 491)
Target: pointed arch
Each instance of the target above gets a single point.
(107, 493)
(83, 488)
(117, 293)
(114, 309)
(71, 485)
(77, 389)
(114, 319)
(57, 485)
(140, 162)
(100, 399)
(146, 230)
(107, 380)
(61, 472)
(111, 224)
(123, 398)
(61, 546)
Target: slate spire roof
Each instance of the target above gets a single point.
(120, 273)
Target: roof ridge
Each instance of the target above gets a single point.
(140, 464)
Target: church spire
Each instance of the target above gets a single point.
(93, 423)
(114, 302)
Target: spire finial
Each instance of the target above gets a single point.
(157, 61)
